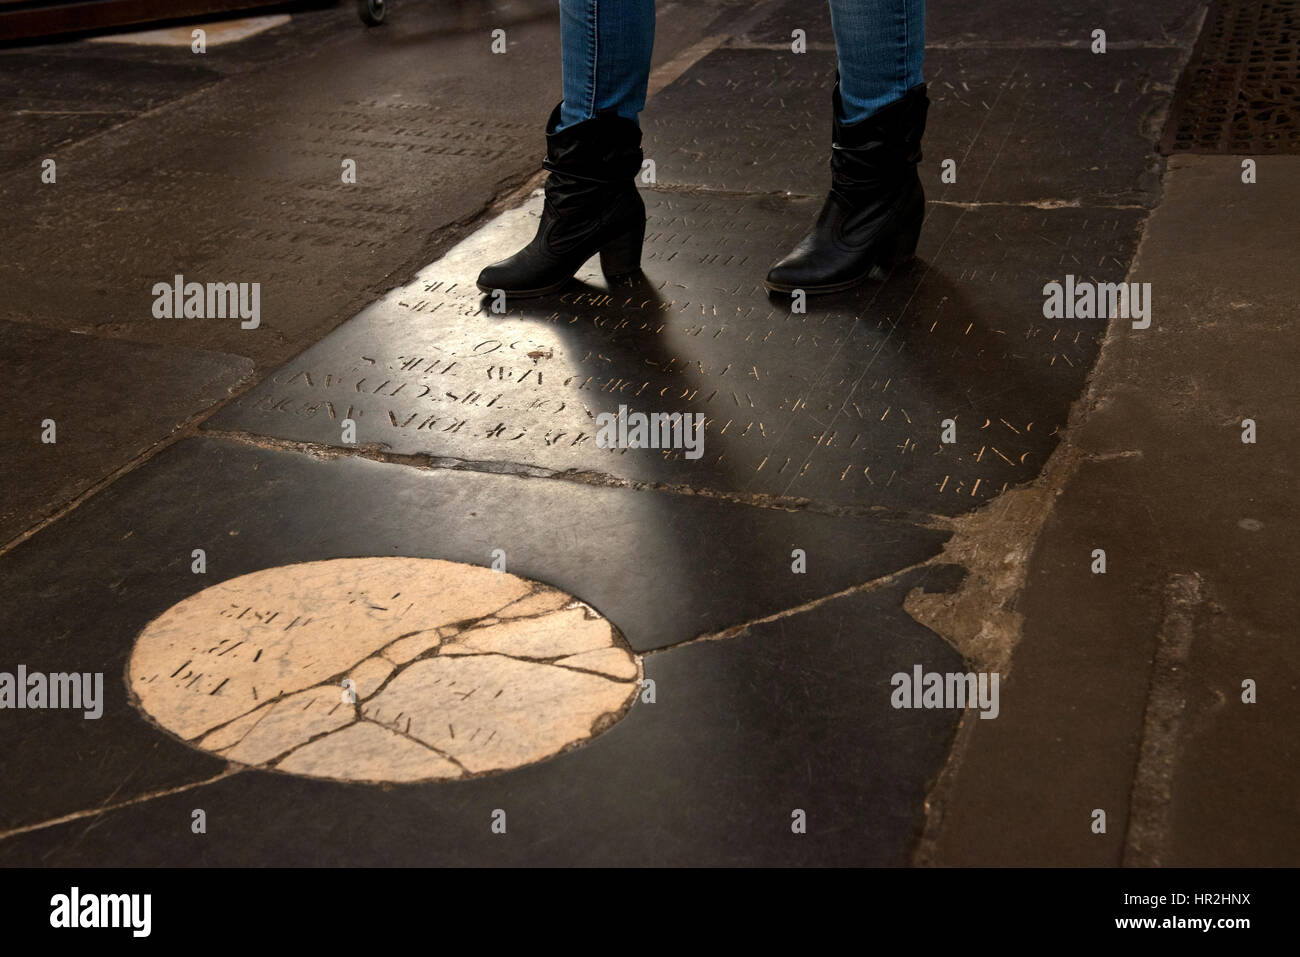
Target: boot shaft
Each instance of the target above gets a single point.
(880, 151)
(899, 125)
(606, 147)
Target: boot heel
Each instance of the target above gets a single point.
(622, 254)
(904, 248)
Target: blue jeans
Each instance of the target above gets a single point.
(605, 47)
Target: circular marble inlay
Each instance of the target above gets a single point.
(382, 669)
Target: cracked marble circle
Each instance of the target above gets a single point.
(382, 669)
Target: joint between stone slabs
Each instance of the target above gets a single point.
(230, 771)
(721, 192)
(670, 71)
(184, 430)
(1148, 827)
(735, 631)
(426, 462)
(822, 46)
(1165, 43)
(937, 795)
(1037, 204)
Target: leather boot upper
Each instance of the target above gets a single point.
(875, 196)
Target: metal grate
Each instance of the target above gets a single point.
(1240, 92)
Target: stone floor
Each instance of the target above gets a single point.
(366, 563)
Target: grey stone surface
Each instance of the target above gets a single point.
(1008, 22)
(1035, 125)
(662, 568)
(744, 732)
(109, 402)
(1170, 491)
(240, 181)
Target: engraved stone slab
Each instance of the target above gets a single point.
(288, 668)
(843, 403)
(1004, 22)
(748, 120)
(51, 98)
(243, 180)
(245, 184)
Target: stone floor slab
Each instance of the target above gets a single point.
(315, 637)
(843, 403)
(661, 568)
(75, 101)
(1008, 22)
(754, 121)
(109, 402)
(242, 181)
(743, 735)
(1198, 531)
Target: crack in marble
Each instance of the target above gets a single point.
(446, 756)
(272, 762)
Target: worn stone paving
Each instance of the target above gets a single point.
(791, 716)
(226, 168)
(74, 415)
(745, 118)
(1006, 23)
(759, 588)
(1128, 689)
(660, 567)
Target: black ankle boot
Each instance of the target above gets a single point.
(592, 206)
(873, 214)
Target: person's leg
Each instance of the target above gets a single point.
(873, 213)
(605, 48)
(880, 45)
(593, 152)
